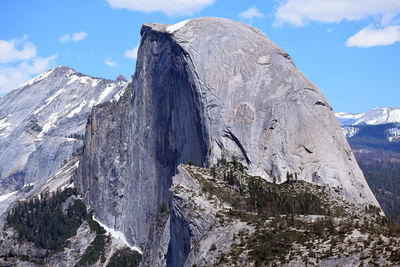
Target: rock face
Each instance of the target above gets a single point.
(205, 89)
(195, 225)
(43, 121)
(25, 253)
(209, 227)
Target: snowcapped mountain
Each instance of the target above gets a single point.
(353, 123)
(373, 117)
(346, 118)
(43, 121)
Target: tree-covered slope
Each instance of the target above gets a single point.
(225, 217)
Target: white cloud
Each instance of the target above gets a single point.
(251, 13)
(75, 37)
(19, 62)
(132, 53)
(300, 12)
(389, 18)
(78, 36)
(171, 7)
(371, 36)
(383, 16)
(65, 38)
(9, 51)
(11, 77)
(111, 63)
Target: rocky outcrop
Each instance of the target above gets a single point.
(43, 121)
(16, 250)
(195, 225)
(210, 226)
(68, 257)
(205, 89)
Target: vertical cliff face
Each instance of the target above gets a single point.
(132, 147)
(205, 89)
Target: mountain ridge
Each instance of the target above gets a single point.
(376, 145)
(47, 114)
(374, 116)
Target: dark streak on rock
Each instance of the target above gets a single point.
(308, 150)
(230, 135)
(287, 56)
(319, 103)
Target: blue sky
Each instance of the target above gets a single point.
(349, 48)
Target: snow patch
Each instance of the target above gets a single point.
(27, 185)
(73, 78)
(81, 79)
(56, 174)
(350, 131)
(393, 134)
(49, 100)
(50, 124)
(117, 235)
(177, 26)
(92, 102)
(76, 110)
(109, 88)
(85, 80)
(4, 197)
(118, 95)
(61, 179)
(64, 187)
(42, 76)
(345, 115)
(95, 82)
(5, 127)
(68, 106)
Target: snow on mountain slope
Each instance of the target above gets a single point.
(380, 116)
(393, 134)
(373, 117)
(351, 122)
(346, 118)
(350, 131)
(38, 120)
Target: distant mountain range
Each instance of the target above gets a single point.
(377, 124)
(374, 137)
(373, 117)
